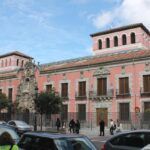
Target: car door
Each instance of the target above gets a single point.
(134, 141)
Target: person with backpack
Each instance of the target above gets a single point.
(7, 143)
(58, 124)
(72, 126)
(77, 126)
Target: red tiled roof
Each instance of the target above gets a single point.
(15, 53)
(121, 29)
(88, 61)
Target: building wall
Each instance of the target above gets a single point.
(132, 69)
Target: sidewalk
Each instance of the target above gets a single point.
(94, 132)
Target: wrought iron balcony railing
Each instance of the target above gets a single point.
(125, 94)
(145, 92)
(79, 96)
(101, 96)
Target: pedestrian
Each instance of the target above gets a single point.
(102, 127)
(111, 127)
(72, 126)
(7, 143)
(58, 124)
(77, 126)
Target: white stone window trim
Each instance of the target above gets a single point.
(77, 85)
(141, 77)
(98, 77)
(48, 83)
(129, 75)
(60, 87)
(143, 100)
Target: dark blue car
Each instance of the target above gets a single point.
(54, 141)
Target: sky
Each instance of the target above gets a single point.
(54, 30)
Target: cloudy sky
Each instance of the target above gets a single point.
(53, 30)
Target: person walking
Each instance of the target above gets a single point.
(7, 143)
(58, 124)
(102, 127)
(111, 127)
(77, 126)
(72, 126)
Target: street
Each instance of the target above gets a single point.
(99, 140)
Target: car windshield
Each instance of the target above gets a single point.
(76, 143)
(10, 131)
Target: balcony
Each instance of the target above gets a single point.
(123, 95)
(95, 96)
(145, 93)
(80, 97)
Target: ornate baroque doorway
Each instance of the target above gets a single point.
(102, 113)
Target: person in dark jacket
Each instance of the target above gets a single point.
(77, 126)
(102, 127)
(58, 124)
(72, 126)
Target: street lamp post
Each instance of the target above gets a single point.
(35, 100)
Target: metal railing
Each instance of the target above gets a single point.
(144, 92)
(125, 94)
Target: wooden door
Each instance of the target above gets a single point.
(102, 114)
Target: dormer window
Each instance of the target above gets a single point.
(115, 41)
(132, 36)
(124, 39)
(107, 42)
(17, 62)
(99, 44)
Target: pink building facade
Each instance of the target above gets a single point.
(114, 83)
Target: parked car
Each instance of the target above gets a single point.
(20, 126)
(133, 140)
(11, 131)
(54, 141)
(2, 122)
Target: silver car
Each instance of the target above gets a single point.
(133, 140)
(20, 126)
(11, 131)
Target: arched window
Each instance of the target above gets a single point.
(10, 62)
(107, 42)
(132, 36)
(17, 62)
(6, 63)
(2, 63)
(115, 41)
(124, 39)
(100, 44)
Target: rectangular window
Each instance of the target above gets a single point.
(101, 86)
(10, 94)
(124, 86)
(49, 88)
(82, 88)
(64, 112)
(64, 89)
(146, 83)
(147, 111)
(81, 111)
(124, 111)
